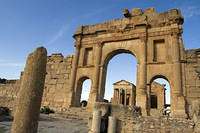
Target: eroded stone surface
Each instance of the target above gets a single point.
(30, 94)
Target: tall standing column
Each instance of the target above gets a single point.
(74, 70)
(94, 92)
(125, 97)
(117, 96)
(114, 97)
(30, 94)
(141, 97)
(131, 97)
(120, 96)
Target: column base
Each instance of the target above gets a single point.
(178, 109)
(92, 100)
(141, 101)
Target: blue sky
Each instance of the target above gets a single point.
(27, 24)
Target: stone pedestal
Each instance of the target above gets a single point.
(178, 110)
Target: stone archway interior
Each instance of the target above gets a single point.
(120, 67)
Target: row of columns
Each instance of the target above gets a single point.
(118, 92)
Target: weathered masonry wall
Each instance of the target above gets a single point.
(129, 120)
(192, 78)
(55, 92)
(56, 82)
(8, 93)
(154, 125)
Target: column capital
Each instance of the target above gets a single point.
(175, 32)
(143, 39)
(99, 44)
(78, 42)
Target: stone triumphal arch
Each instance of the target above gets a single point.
(154, 39)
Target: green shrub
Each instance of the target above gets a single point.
(46, 110)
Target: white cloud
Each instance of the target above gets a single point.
(59, 34)
(190, 11)
(11, 65)
(66, 27)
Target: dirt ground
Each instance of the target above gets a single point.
(52, 125)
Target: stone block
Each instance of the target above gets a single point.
(174, 12)
(136, 12)
(149, 11)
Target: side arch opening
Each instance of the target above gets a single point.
(159, 96)
(83, 91)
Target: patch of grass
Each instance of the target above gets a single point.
(3, 129)
(46, 110)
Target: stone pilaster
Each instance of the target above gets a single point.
(94, 92)
(74, 70)
(141, 97)
(178, 105)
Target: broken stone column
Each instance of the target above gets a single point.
(30, 94)
(96, 122)
(112, 124)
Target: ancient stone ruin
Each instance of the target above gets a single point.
(155, 39)
(125, 93)
(30, 94)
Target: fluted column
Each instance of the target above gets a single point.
(125, 97)
(141, 97)
(94, 92)
(117, 97)
(131, 97)
(114, 97)
(120, 99)
(74, 70)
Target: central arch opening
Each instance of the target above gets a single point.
(120, 78)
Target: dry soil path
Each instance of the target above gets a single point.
(52, 125)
